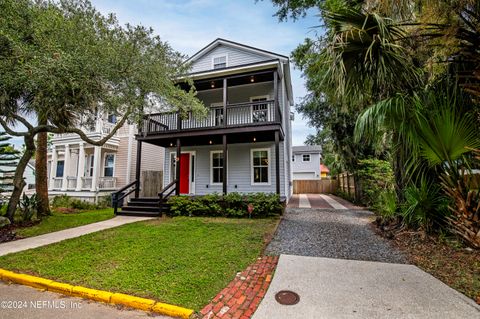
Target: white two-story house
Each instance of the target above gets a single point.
(243, 144)
(306, 162)
(87, 172)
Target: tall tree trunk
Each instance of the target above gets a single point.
(41, 178)
(18, 182)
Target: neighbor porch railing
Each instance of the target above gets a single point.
(71, 182)
(107, 182)
(57, 182)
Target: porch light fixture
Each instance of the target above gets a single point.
(210, 142)
(252, 78)
(212, 84)
(171, 144)
(254, 139)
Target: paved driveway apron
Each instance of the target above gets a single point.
(350, 272)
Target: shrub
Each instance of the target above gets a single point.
(386, 206)
(104, 201)
(230, 205)
(28, 207)
(373, 177)
(424, 204)
(66, 201)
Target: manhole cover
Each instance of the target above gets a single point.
(287, 297)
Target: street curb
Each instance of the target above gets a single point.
(97, 295)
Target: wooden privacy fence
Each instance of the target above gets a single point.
(314, 186)
(346, 183)
(151, 183)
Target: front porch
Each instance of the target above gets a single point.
(79, 167)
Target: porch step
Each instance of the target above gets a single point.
(143, 206)
(138, 213)
(130, 208)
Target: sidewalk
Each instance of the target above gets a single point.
(336, 288)
(50, 238)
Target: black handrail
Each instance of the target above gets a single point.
(119, 195)
(162, 196)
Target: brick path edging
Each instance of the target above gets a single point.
(243, 294)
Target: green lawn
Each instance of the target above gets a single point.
(184, 260)
(59, 221)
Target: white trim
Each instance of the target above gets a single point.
(220, 56)
(219, 41)
(269, 166)
(192, 186)
(233, 70)
(114, 162)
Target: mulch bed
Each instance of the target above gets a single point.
(445, 258)
(242, 296)
(8, 233)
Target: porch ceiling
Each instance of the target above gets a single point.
(260, 134)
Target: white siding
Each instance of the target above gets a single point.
(239, 168)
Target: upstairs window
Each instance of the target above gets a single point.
(219, 62)
(112, 118)
(306, 157)
(109, 165)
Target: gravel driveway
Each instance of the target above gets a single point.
(331, 233)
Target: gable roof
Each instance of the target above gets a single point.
(245, 47)
(307, 149)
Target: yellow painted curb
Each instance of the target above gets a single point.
(97, 295)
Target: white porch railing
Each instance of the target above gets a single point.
(71, 182)
(57, 182)
(107, 182)
(86, 182)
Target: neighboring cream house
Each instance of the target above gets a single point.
(306, 162)
(87, 172)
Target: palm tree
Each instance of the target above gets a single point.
(8, 161)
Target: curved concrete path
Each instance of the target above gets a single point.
(50, 238)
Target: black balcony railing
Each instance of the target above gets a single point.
(241, 114)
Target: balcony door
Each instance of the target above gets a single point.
(217, 113)
(259, 109)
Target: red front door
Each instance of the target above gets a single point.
(184, 173)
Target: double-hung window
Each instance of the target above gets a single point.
(306, 157)
(216, 167)
(109, 165)
(260, 166)
(219, 62)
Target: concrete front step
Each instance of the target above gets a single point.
(138, 213)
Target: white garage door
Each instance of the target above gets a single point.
(304, 175)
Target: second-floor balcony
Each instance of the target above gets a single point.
(233, 115)
(234, 100)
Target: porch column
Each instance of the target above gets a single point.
(53, 167)
(138, 166)
(97, 162)
(225, 101)
(81, 166)
(275, 96)
(277, 161)
(66, 168)
(177, 168)
(225, 162)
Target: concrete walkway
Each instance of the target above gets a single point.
(337, 288)
(50, 238)
(19, 302)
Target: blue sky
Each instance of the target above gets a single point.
(189, 25)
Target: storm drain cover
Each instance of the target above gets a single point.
(287, 297)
